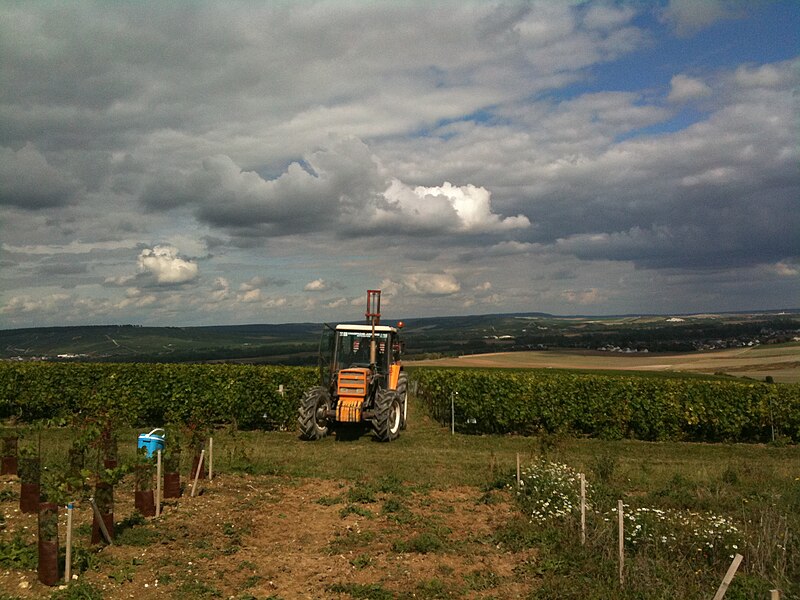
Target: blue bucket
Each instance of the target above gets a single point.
(152, 442)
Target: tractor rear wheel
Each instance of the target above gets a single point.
(402, 389)
(388, 415)
(313, 421)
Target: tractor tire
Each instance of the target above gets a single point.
(402, 389)
(312, 420)
(388, 415)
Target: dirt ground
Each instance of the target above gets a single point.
(276, 537)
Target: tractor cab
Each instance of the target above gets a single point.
(351, 349)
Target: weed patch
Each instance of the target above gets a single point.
(362, 493)
(361, 561)
(479, 581)
(17, 554)
(329, 500)
(78, 590)
(350, 541)
(423, 543)
(359, 591)
(353, 509)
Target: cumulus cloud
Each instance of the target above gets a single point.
(471, 205)
(318, 285)
(786, 268)
(166, 267)
(220, 290)
(556, 37)
(27, 304)
(250, 296)
(586, 297)
(683, 88)
(342, 188)
(29, 182)
(689, 16)
(763, 76)
(423, 284)
(252, 284)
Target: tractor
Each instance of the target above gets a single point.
(361, 379)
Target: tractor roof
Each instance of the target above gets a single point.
(378, 328)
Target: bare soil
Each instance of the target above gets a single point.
(248, 536)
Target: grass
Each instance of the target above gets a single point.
(757, 487)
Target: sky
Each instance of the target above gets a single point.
(182, 163)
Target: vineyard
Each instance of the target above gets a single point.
(479, 401)
(432, 515)
(610, 406)
(248, 396)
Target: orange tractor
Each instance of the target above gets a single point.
(362, 379)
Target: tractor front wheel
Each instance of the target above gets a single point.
(313, 421)
(402, 389)
(388, 415)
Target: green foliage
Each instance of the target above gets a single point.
(353, 509)
(16, 554)
(357, 590)
(362, 561)
(197, 589)
(329, 500)
(610, 406)
(78, 590)
(134, 531)
(422, 543)
(151, 394)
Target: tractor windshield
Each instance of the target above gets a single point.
(352, 349)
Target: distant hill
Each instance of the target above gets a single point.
(297, 343)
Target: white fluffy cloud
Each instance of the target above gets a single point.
(166, 267)
(423, 284)
(683, 88)
(447, 207)
(318, 285)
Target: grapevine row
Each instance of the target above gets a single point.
(247, 395)
(610, 406)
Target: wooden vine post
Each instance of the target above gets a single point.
(621, 533)
(68, 558)
(211, 459)
(158, 484)
(583, 509)
(100, 524)
(197, 473)
(726, 581)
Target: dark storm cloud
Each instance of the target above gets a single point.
(27, 181)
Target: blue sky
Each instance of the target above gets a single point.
(167, 163)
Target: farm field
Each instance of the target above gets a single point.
(427, 516)
(781, 362)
